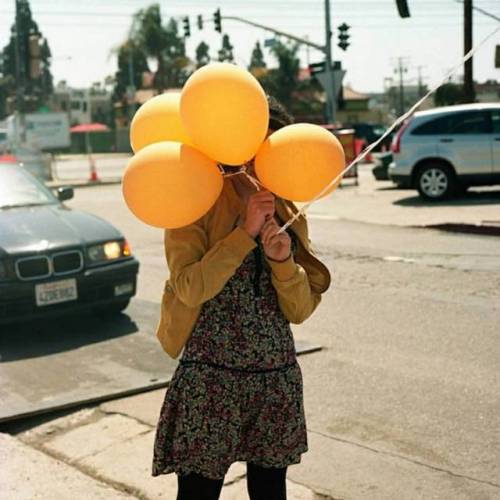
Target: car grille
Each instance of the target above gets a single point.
(43, 266)
(33, 267)
(67, 262)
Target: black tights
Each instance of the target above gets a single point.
(262, 484)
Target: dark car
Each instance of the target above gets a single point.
(381, 169)
(54, 259)
(371, 132)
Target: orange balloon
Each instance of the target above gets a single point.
(169, 184)
(225, 111)
(158, 120)
(299, 160)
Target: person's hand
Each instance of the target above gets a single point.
(260, 207)
(276, 246)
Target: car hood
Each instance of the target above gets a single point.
(40, 228)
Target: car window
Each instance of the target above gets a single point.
(466, 122)
(18, 188)
(495, 120)
(470, 122)
(432, 127)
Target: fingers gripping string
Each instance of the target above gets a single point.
(400, 120)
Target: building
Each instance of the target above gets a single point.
(489, 91)
(83, 105)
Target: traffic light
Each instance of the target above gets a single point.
(200, 22)
(217, 23)
(35, 68)
(343, 36)
(403, 9)
(186, 26)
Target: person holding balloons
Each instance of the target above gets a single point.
(217, 168)
(237, 393)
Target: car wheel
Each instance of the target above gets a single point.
(435, 182)
(111, 309)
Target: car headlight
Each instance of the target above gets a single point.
(110, 250)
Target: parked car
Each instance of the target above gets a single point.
(370, 132)
(381, 169)
(441, 152)
(54, 259)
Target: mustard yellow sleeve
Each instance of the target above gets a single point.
(199, 273)
(296, 298)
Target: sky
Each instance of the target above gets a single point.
(84, 34)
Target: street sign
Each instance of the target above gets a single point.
(269, 42)
(338, 77)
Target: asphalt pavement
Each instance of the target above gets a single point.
(401, 401)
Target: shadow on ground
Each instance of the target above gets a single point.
(51, 336)
(470, 198)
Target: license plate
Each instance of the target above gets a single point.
(124, 288)
(55, 292)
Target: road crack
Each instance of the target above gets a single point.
(402, 457)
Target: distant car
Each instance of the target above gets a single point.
(3, 140)
(36, 162)
(371, 132)
(382, 162)
(54, 259)
(441, 152)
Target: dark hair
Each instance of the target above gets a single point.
(278, 115)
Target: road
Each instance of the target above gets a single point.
(402, 401)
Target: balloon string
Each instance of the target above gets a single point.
(243, 171)
(401, 119)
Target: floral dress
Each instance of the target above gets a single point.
(236, 394)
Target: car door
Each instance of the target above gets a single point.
(495, 140)
(466, 142)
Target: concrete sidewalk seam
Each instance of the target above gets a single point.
(402, 457)
(90, 472)
(317, 493)
(124, 414)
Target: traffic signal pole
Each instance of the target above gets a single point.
(331, 108)
(326, 49)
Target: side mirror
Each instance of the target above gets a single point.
(65, 193)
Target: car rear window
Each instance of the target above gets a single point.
(466, 122)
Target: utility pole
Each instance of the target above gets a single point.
(401, 69)
(20, 129)
(420, 82)
(330, 91)
(469, 94)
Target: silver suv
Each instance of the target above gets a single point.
(443, 151)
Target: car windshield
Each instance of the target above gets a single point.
(20, 189)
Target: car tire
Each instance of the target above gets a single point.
(111, 309)
(435, 182)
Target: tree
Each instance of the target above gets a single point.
(283, 80)
(36, 90)
(448, 94)
(202, 55)
(152, 40)
(137, 63)
(257, 58)
(226, 52)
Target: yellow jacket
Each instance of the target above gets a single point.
(204, 255)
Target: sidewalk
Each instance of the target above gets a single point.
(104, 451)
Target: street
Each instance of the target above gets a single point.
(402, 400)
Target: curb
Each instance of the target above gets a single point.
(79, 183)
(462, 228)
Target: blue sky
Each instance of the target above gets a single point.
(82, 34)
